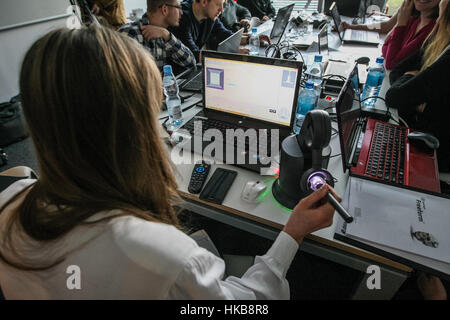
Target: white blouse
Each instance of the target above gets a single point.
(130, 258)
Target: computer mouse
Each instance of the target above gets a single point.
(363, 60)
(252, 190)
(420, 138)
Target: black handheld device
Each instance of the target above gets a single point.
(198, 177)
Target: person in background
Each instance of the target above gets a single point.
(419, 90)
(235, 16)
(200, 26)
(408, 28)
(112, 10)
(263, 9)
(104, 201)
(151, 32)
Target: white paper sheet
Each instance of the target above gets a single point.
(407, 220)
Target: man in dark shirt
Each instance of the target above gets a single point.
(199, 22)
(263, 9)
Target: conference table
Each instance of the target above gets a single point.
(268, 217)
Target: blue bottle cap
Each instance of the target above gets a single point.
(318, 58)
(380, 60)
(309, 84)
(167, 69)
(254, 30)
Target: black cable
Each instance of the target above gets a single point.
(330, 76)
(336, 155)
(378, 97)
(335, 131)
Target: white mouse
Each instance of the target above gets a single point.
(252, 190)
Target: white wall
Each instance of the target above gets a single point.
(134, 4)
(14, 43)
(18, 11)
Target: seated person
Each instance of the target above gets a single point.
(151, 32)
(420, 87)
(235, 16)
(100, 221)
(408, 28)
(200, 25)
(263, 9)
(112, 10)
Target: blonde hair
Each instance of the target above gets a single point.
(438, 39)
(91, 98)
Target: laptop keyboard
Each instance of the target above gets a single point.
(358, 35)
(194, 84)
(222, 126)
(387, 153)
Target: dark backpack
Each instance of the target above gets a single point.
(12, 124)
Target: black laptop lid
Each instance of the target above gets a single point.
(348, 113)
(337, 19)
(251, 89)
(322, 38)
(281, 21)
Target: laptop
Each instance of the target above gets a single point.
(353, 36)
(318, 47)
(232, 43)
(246, 92)
(191, 79)
(378, 150)
(280, 24)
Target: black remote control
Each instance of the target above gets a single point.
(198, 177)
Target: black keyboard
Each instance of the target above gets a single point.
(195, 84)
(222, 126)
(387, 153)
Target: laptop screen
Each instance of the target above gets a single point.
(252, 87)
(348, 113)
(231, 44)
(336, 18)
(323, 41)
(281, 21)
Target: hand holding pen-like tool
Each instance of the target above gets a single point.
(315, 182)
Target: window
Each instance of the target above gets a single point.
(299, 4)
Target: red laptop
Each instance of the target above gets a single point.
(379, 150)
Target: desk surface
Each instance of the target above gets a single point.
(269, 212)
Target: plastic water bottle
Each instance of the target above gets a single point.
(254, 43)
(306, 102)
(373, 83)
(173, 100)
(314, 73)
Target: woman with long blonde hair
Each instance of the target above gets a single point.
(420, 86)
(99, 222)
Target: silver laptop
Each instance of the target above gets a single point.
(353, 36)
(231, 44)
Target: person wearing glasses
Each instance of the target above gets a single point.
(151, 32)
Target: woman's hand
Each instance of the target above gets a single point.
(311, 214)
(404, 13)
